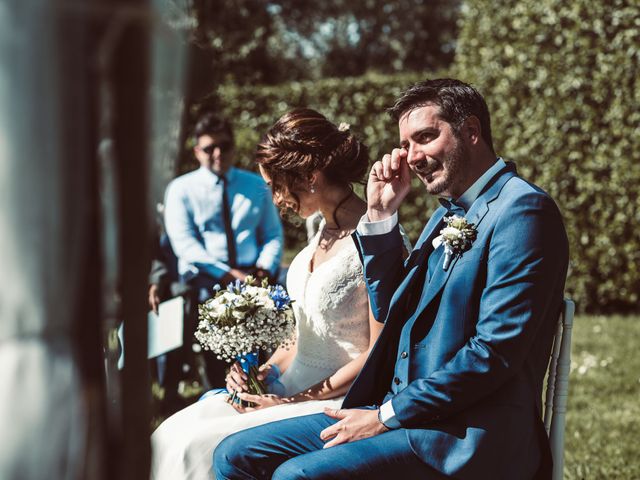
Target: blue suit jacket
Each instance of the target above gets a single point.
(470, 380)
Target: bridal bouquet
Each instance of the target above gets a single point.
(239, 321)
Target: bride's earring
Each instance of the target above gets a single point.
(312, 183)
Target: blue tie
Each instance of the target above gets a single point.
(226, 217)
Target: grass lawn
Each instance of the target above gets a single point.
(602, 437)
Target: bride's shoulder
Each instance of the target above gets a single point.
(349, 263)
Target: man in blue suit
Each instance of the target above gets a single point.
(452, 388)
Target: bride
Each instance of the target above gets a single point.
(310, 165)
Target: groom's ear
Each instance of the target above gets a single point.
(471, 130)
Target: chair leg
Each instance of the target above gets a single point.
(561, 392)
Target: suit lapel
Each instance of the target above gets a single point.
(431, 231)
(475, 215)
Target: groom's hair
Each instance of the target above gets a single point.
(456, 101)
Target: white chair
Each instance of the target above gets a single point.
(558, 387)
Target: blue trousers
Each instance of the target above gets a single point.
(292, 449)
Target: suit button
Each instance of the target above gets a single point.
(396, 381)
(404, 355)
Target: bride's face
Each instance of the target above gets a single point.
(306, 205)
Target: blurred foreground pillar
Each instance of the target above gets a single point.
(55, 232)
(127, 74)
(51, 368)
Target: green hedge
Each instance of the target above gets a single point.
(361, 102)
(562, 82)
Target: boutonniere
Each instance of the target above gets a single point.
(457, 237)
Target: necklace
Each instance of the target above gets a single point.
(326, 241)
(329, 232)
(346, 207)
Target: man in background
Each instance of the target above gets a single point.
(221, 224)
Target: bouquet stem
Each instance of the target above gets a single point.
(256, 387)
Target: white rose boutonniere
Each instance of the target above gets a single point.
(457, 237)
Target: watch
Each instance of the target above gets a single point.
(380, 420)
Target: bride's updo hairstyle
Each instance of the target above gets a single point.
(304, 141)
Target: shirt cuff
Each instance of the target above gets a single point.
(217, 270)
(366, 227)
(388, 416)
(269, 267)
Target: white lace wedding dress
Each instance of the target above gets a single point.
(332, 318)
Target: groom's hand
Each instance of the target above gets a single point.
(388, 184)
(355, 424)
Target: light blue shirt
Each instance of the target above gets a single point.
(365, 227)
(194, 223)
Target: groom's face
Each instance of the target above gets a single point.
(435, 153)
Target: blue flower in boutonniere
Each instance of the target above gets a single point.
(457, 237)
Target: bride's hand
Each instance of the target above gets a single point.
(268, 373)
(259, 401)
(236, 379)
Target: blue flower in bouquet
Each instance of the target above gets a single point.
(238, 287)
(280, 297)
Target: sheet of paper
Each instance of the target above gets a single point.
(165, 329)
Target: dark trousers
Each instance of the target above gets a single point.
(292, 449)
